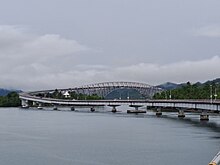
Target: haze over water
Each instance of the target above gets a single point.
(102, 138)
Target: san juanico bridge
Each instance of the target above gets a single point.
(41, 99)
(110, 82)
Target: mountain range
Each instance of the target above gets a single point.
(4, 92)
(170, 85)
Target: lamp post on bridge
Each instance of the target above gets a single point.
(215, 95)
(120, 95)
(165, 92)
(211, 94)
(170, 95)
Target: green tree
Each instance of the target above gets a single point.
(11, 100)
(192, 91)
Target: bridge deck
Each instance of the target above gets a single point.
(194, 104)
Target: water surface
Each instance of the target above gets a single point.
(49, 137)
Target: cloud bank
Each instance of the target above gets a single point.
(212, 31)
(33, 62)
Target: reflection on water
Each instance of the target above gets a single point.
(103, 138)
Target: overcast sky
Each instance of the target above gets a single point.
(47, 44)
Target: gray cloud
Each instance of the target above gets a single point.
(32, 62)
(25, 57)
(208, 31)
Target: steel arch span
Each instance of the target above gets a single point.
(103, 89)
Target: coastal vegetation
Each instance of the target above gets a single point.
(208, 90)
(72, 95)
(10, 100)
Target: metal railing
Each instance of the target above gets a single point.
(216, 160)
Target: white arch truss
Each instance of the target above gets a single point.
(103, 89)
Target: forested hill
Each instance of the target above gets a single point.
(10, 100)
(207, 90)
(4, 92)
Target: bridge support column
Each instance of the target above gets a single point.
(92, 109)
(204, 116)
(72, 108)
(114, 108)
(181, 113)
(136, 111)
(34, 103)
(55, 107)
(39, 106)
(158, 112)
(24, 104)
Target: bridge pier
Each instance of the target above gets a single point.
(158, 112)
(34, 104)
(24, 103)
(72, 108)
(114, 108)
(92, 109)
(204, 116)
(39, 106)
(181, 113)
(136, 111)
(55, 107)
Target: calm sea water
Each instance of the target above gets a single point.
(46, 137)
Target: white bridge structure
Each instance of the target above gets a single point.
(102, 89)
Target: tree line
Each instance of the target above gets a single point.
(209, 90)
(10, 100)
(56, 94)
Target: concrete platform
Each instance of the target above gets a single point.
(136, 111)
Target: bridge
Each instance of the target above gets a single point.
(105, 88)
(102, 89)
